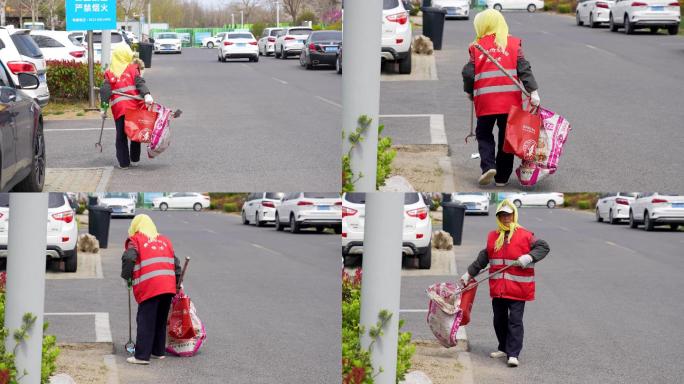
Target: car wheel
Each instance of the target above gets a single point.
(497, 7)
(258, 222)
(71, 262)
(629, 28)
(338, 65)
(425, 260)
(163, 207)
(308, 63)
(210, 45)
(648, 223)
(598, 216)
(294, 225)
(275, 53)
(338, 229)
(531, 8)
(611, 219)
(256, 59)
(577, 19)
(517, 203)
(551, 204)
(320, 229)
(613, 27)
(197, 207)
(654, 30)
(405, 64)
(244, 218)
(591, 21)
(674, 227)
(673, 30)
(282, 54)
(278, 224)
(351, 260)
(632, 223)
(36, 178)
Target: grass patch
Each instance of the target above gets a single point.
(584, 200)
(62, 107)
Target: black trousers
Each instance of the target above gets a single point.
(122, 154)
(502, 162)
(151, 319)
(508, 325)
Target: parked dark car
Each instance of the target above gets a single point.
(22, 144)
(338, 62)
(320, 48)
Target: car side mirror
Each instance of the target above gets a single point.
(7, 95)
(28, 81)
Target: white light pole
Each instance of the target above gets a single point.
(361, 84)
(242, 20)
(277, 3)
(232, 20)
(27, 242)
(381, 284)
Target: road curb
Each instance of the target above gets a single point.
(112, 370)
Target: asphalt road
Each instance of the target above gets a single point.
(245, 126)
(270, 302)
(620, 93)
(607, 306)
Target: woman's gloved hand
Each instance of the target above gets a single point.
(465, 279)
(524, 260)
(149, 100)
(534, 98)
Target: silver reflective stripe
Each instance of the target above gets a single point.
(125, 89)
(516, 278)
(118, 98)
(496, 261)
(496, 89)
(149, 275)
(154, 260)
(507, 262)
(497, 73)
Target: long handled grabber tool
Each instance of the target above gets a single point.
(472, 118)
(130, 345)
(185, 267)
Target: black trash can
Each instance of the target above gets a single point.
(92, 200)
(145, 50)
(427, 3)
(98, 223)
(453, 217)
(433, 25)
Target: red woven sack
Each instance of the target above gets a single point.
(467, 299)
(180, 322)
(138, 124)
(522, 133)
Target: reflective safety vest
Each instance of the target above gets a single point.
(514, 283)
(154, 273)
(124, 84)
(494, 93)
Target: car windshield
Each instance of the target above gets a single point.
(321, 195)
(26, 46)
(303, 32)
(239, 36)
(167, 36)
(327, 36)
(360, 198)
(117, 195)
(630, 194)
(55, 199)
(275, 32)
(274, 195)
(390, 4)
(46, 42)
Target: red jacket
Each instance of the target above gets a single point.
(154, 272)
(494, 93)
(515, 283)
(125, 84)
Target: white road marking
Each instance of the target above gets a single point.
(76, 129)
(539, 219)
(620, 246)
(546, 32)
(266, 249)
(564, 229)
(103, 333)
(323, 99)
(599, 50)
(248, 67)
(413, 311)
(210, 231)
(280, 81)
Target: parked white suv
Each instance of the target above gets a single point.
(653, 14)
(319, 210)
(116, 38)
(182, 200)
(121, 203)
(457, 9)
(21, 55)
(62, 230)
(417, 237)
(551, 200)
(268, 40)
(651, 209)
(396, 35)
(593, 12)
(260, 208)
(475, 202)
(614, 207)
(290, 41)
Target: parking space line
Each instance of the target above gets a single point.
(539, 219)
(210, 231)
(599, 49)
(280, 81)
(564, 229)
(103, 333)
(620, 246)
(267, 249)
(76, 129)
(323, 99)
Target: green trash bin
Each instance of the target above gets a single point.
(145, 51)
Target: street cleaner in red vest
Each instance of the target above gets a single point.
(149, 264)
(124, 76)
(494, 93)
(509, 244)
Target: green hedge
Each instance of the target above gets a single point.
(230, 207)
(564, 8)
(584, 204)
(68, 80)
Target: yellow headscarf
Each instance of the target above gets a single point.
(122, 56)
(143, 224)
(491, 22)
(502, 229)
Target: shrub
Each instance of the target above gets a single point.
(356, 363)
(384, 158)
(8, 369)
(257, 29)
(230, 207)
(336, 26)
(332, 16)
(68, 80)
(564, 8)
(584, 204)
(307, 16)
(212, 206)
(81, 208)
